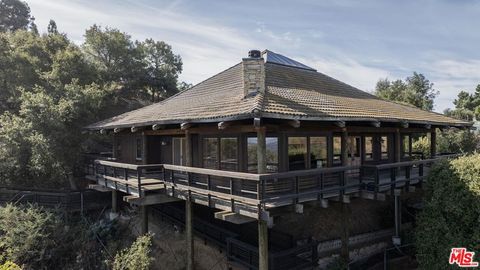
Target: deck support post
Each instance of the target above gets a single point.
(262, 245)
(188, 207)
(114, 201)
(189, 233)
(144, 217)
(344, 252)
(345, 206)
(433, 143)
(262, 224)
(398, 218)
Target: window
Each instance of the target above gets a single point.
(384, 147)
(139, 149)
(210, 153)
(337, 150)
(368, 148)
(229, 154)
(272, 154)
(297, 153)
(179, 151)
(318, 152)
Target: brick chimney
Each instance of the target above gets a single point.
(253, 73)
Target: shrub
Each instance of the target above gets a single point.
(451, 215)
(8, 265)
(136, 257)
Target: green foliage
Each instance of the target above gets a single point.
(8, 265)
(26, 235)
(457, 141)
(422, 145)
(136, 257)
(452, 212)
(416, 90)
(14, 15)
(467, 106)
(149, 66)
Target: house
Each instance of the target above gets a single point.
(268, 133)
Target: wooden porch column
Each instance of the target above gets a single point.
(262, 224)
(344, 147)
(144, 217)
(433, 143)
(188, 207)
(398, 146)
(344, 252)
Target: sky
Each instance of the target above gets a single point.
(357, 42)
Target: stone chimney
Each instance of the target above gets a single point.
(253, 73)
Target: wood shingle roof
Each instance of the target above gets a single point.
(290, 93)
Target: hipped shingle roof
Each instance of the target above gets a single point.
(290, 93)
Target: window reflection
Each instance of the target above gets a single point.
(210, 152)
(368, 148)
(406, 146)
(139, 149)
(272, 154)
(297, 153)
(337, 150)
(228, 154)
(318, 150)
(384, 147)
(179, 151)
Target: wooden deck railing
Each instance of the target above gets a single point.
(129, 178)
(249, 193)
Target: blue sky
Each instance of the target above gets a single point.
(357, 42)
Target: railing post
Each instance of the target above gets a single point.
(139, 182)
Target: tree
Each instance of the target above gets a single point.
(467, 106)
(136, 257)
(114, 54)
(161, 68)
(14, 15)
(451, 213)
(416, 90)
(52, 27)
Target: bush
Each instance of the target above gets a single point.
(26, 235)
(136, 257)
(451, 215)
(8, 265)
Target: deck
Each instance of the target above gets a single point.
(254, 195)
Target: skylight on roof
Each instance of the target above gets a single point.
(276, 58)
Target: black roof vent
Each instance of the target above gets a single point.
(254, 54)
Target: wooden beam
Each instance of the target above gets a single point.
(223, 125)
(256, 122)
(185, 126)
(117, 130)
(100, 188)
(233, 217)
(149, 199)
(157, 127)
(376, 124)
(134, 129)
(340, 124)
(294, 123)
(433, 143)
(103, 131)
